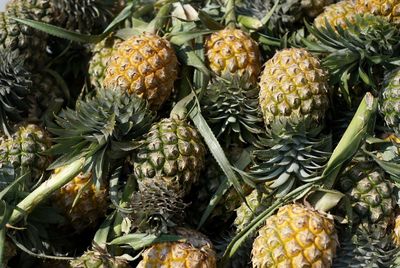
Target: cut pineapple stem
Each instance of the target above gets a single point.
(45, 190)
(230, 16)
(159, 21)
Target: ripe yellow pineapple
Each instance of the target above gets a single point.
(145, 65)
(194, 252)
(396, 231)
(389, 9)
(293, 85)
(297, 236)
(81, 202)
(336, 14)
(232, 51)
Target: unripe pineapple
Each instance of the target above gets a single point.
(389, 9)
(96, 259)
(81, 201)
(101, 55)
(336, 15)
(25, 148)
(232, 51)
(194, 251)
(296, 236)
(370, 192)
(293, 85)
(145, 65)
(172, 153)
(390, 101)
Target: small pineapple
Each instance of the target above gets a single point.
(389, 9)
(390, 101)
(81, 201)
(194, 251)
(336, 14)
(25, 149)
(172, 153)
(232, 51)
(101, 54)
(370, 192)
(297, 236)
(293, 85)
(99, 259)
(145, 65)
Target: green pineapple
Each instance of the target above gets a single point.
(172, 153)
(99, 259)
(390, 101)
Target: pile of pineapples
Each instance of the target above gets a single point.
(200, 133)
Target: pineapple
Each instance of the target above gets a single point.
(293, 99)
(24, 150)
(232, 51)
(172, 153)
(293, 85)
(390, 101)
(336, 14)
(396, 231)
(81, 201)
(313, 8)
(99, 259)
(101, 54)
(297, 236)
(370, 192)
(388, 9)
(145, 65)
(195, 250)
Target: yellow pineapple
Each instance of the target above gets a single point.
(389, 9)
(396, 231)
(297, 236)
(336, 15)
(194, 252)
(81, 201)
(146, 65)
(232, 51)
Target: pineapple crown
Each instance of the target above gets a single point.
(15, 85)
(231, 108)
(292, 153)
(357, 52)
(101, 128)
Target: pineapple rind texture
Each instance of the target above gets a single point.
(293, 85)
(389, 9)
(390, 101)
(145, 65)
(296, 236)
(94, 259)
(172, 153)
(336, 15)
(196, 252)
(233, 52)
(90, 206)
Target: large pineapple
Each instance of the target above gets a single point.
(390, 101)
(389, 9)
(195, 250)
(81, 201)
(145, 65)
(101, 54)
(371, 194)
(172, 153)
(297, 236)
(99, 259)
(293, 99)
(336, 14)
(232, 51)
(24, 150)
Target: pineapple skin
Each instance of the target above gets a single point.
(293, 85)
(232, 51)
(94, 259)
(89, 208)
(396, 231)
(390, 101)
(313, 8)
(195, 252)
(296, 236)
(389, 9)
(145, 65)
(172, 154)
(336, 15)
